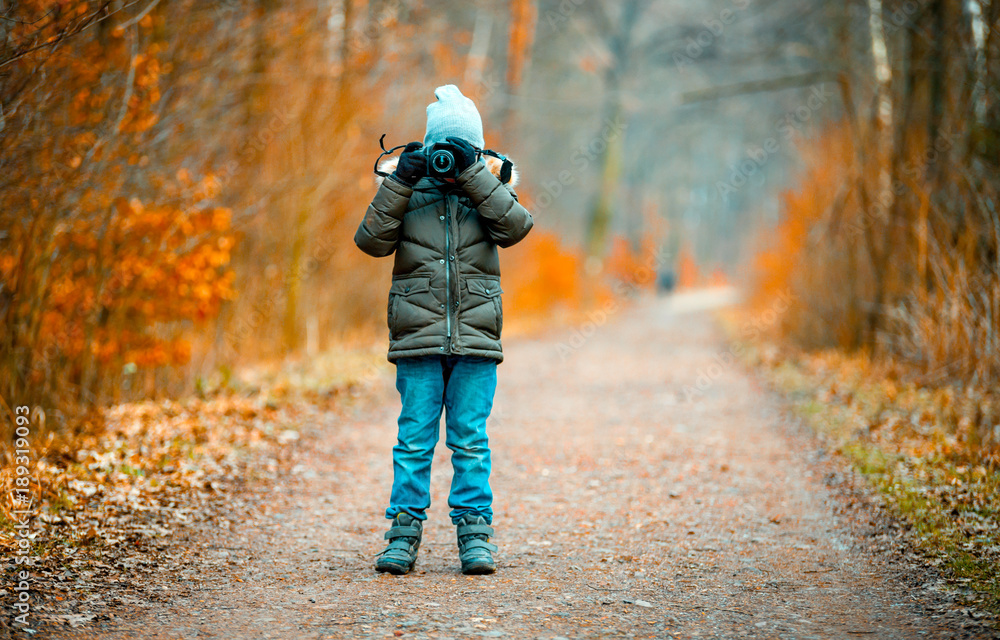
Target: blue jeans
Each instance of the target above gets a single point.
(464, 386)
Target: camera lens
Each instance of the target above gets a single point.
(442, 161)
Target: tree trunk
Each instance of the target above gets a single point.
(611, 158)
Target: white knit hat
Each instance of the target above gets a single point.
(453, 115)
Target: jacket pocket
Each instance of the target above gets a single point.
(405, 314)
(498, 303)
(486, 305)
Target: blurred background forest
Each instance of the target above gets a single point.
(180, 181)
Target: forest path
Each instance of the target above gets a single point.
(624, 508)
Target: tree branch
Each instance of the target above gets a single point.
(757, 86)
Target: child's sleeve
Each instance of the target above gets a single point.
(378, 233)
(505, 219)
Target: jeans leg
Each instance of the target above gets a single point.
(420, 382)
(468, 399)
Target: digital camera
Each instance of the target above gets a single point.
(441, 160)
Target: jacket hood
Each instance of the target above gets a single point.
(494, 164)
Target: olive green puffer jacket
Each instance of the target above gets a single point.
(445, 294)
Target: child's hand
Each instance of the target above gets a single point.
(412, 164)
(465, 153)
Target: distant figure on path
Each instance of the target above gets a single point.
(443, 211)
(665, 281)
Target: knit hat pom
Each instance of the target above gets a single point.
(453, 115)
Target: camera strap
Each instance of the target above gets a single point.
(506, 166)
(385, 152)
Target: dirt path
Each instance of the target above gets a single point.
(624, 509)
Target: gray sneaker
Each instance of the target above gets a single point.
(474, 547)
(404, 540)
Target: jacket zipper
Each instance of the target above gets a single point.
(447, 270)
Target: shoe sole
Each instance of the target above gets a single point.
(479, 569)
(395, 569)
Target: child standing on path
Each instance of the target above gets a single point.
(445, 317)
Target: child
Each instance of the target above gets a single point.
(445, 318)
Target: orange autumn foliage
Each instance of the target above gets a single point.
(106, 263)
(688, 273)
(541, 274)
(523, 15)
(633, 267)
(545, 279)
(804, 252)
(897, 273)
